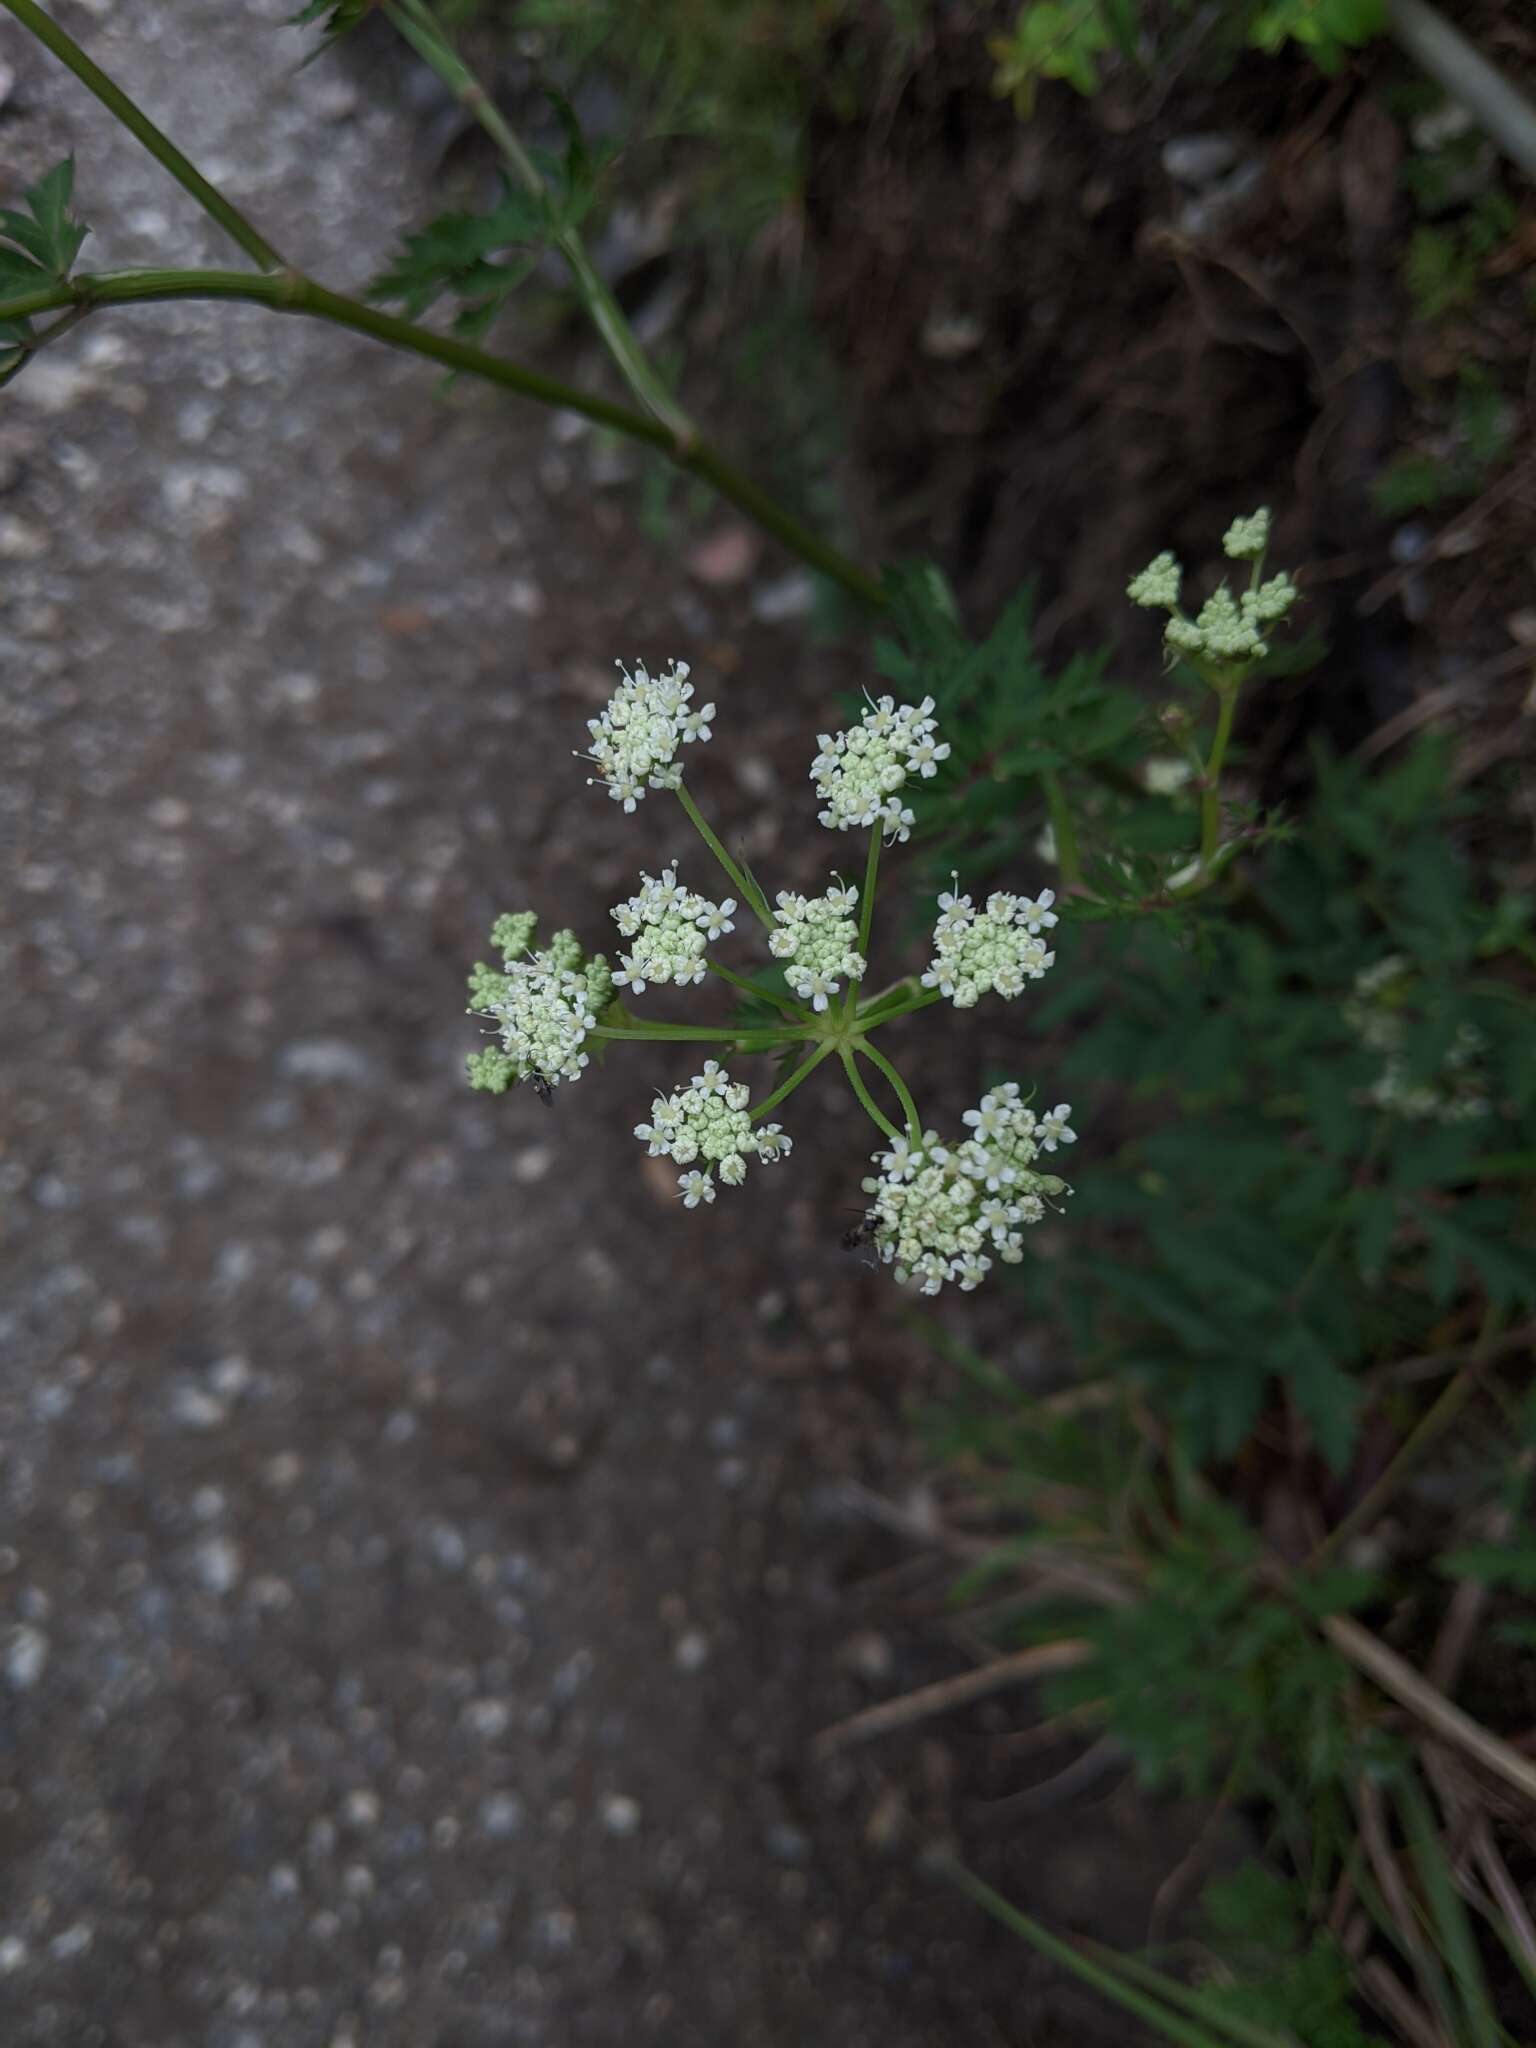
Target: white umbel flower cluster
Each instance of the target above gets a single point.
(860, 774)
(1456, 1095)
(708, 1121)
(542, 1003)
(818, 940)
(997, 949)
(670, 927)
(938, 1213)
(636, 740)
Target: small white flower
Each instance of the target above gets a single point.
(695, 1188)
(635, 741)
(1052, 1128)
(859, 773)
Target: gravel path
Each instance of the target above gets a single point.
(419, 1543)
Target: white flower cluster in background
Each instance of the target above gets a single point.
(997, 949)
(818, 940)
(938, 1213)
(1456, 1095)
(1227, 629)
(636, 740)
(860, 774)
(542, 1003)
(708, 1121)
(670, 927)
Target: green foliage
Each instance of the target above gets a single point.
(1298, 1189)
(1283, 1974)
(465, 256)
(37, 248)
(334, 16)
(1444, 264)
(727, 84)
(46, 237)
(1309, 1068)
(1070, 39)
(1205, 1678)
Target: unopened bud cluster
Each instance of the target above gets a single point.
(1227, 631)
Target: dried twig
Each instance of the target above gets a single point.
(928, 1700)
(1396, 1676)
(1394, 1891)
(1384, 1991)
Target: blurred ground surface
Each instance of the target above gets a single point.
(423, 1550)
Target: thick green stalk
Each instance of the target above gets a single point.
(416, 23)
(903, 1093)
(1210, 796)
(746, 888)
(138, 123)
(812, 1060)
(1068, 859)
(876, 1115)
(290, 293)
(299, 295)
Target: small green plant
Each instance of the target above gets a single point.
(1445, 261)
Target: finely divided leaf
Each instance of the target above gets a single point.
(48, 235)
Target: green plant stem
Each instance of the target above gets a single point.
(415, 21)
(1210, 796)
(871, 1108)
(297, 294)
(903, 1093)
(288, 292)
(1460, 71)
(165, 152)
(900, 1002)
(704, 1034)
(745, 887)
(1156, 2014)
(752, 988)
(812, 1060)
(866, 915)
(1068, 859)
